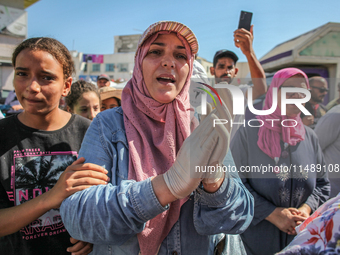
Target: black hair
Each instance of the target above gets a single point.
(52, 46)
(78, 88)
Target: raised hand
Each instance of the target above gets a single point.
(206, 144)
(243, 39)
(222, 112)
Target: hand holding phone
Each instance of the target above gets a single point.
(245, 20)
(244, 38)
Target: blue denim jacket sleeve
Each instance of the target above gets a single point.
(113, 213)
(229, 210)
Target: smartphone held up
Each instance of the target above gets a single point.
(245, 20)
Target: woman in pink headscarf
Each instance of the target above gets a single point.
(279, 157)
(156, 203)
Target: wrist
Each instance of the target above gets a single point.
(212, 187)
(250, 55)
(161, 190)
(306, 208)
(48, 200)
(272, 217)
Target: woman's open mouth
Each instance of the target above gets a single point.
(166, 79)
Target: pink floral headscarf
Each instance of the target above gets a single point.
(269, 137)
(155, 133)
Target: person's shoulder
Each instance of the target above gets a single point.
(248, 130)
(76, 126)
(111, 117)
(309, 130)
(330, 118)
(252, 126)
(9, 129)
(80, 121)
(8, 122)
(112, 113)
(335, 110)
(310, 133)
(332, 103)
(323, 107)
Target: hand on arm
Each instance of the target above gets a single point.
(285, 219)
(244, 40)
(76, 177)
(79, 247)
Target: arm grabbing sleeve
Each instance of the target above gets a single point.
(108, 214)
(229, 209)
(113, 213)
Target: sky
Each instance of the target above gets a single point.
(89, 26)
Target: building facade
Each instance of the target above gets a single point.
(13, 30)
(316, 52)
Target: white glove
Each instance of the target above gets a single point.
(207, 145)
(222, 113)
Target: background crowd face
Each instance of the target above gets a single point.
(296, 81)
(39, 81)
(319, 90)
(109, 104)
(88, 105)
(165, 68)
(103, 83)
(224, 71)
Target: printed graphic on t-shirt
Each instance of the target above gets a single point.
(34, 173)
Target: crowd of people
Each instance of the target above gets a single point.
(135, 171)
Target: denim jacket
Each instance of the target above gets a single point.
(110, 216)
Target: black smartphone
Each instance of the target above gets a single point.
(245, 20)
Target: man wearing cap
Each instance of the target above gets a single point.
(224, 69)
(319, 89)
(103, 80)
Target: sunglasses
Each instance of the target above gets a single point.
(322, 90)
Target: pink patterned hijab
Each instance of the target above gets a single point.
(269, 137)
(155, 133)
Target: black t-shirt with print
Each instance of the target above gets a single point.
(31, 162)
